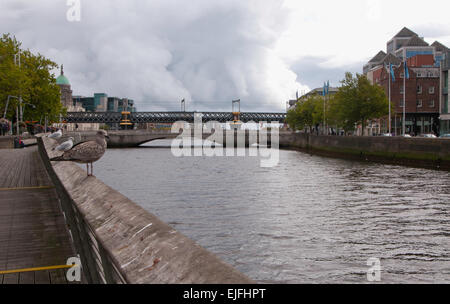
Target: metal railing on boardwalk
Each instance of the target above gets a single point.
(98, 266)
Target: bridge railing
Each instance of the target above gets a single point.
(169, 117)
(93, 117)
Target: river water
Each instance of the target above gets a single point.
(308, 220)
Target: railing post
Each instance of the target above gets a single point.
(87, 248)
(106, 265)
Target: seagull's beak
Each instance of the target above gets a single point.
(107, 137)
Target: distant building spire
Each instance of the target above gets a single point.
(62, 69)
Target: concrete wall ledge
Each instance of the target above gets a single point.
(414, 152)
(144, 249)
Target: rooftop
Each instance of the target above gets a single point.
(416, 41)
(405, 33)
(378, 57)
(439, 47)
(391, 58)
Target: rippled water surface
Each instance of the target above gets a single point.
(308, 220)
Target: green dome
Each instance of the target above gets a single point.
(62, 80)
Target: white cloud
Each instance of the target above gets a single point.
(211, 52)
(351, 31)
(158, 52)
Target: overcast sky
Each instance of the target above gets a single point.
(212, 51)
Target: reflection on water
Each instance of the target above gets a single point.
(309, 220)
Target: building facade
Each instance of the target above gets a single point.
(71, 105)
(66, 93)
(422, 98)
(100, 102)
(422, 87)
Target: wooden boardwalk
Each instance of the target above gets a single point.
(33, 232)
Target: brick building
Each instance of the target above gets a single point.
(422, 97)
(422, 88)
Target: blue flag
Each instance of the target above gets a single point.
(324, 89)
(406, 70)
(328, 87)
(392, 72)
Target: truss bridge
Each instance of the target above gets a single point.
(169, 117)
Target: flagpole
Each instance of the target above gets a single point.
(326, 89)
(326, 123)
(390, 121)
(324, 108)
(404, 99)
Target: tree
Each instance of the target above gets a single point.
(33, 81)
(308, 113)
(358, 101)
(302, 117)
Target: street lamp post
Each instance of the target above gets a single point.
(7, 104)
(17, 120)
(20, 107)
(17, 111)
(23, 109)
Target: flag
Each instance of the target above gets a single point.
(324, 89)
(392, 72)
(406, 70)
(328, 87)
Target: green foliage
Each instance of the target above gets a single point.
(308, 113)
(302, 116)
(356, 102)
(33, 81)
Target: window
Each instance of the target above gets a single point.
(446, 80)
(431, 90)
(430, 74)
(419, 74)
(445, 105)
(401, 103)
(402, 74)
(419, 89)
(401, 90)
(431, 103)
(419, 103)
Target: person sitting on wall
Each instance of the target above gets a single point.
(18, 143)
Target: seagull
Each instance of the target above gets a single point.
(56, 135)
(86, 152)
(65, 146)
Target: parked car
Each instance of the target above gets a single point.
(407, 136)
(388, 135)
(427, 136)
(445, 136)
